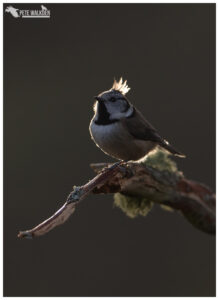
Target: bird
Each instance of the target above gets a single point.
(43, 7)
(13, 11)
(120, 130)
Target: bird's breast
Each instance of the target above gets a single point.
(116, 141)
(106, 135)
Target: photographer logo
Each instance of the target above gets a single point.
(28, 13)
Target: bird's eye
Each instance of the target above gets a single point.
(112, 99)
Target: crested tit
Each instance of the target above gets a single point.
(120, 130)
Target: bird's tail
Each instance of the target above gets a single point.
(170, 149)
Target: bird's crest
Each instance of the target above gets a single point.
(121, 86)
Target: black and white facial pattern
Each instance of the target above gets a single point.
(111, 107)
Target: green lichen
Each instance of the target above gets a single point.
(166, 208)
(132, 206)
(161, 161)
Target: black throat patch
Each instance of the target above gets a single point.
(103, 115)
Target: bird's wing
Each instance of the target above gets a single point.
(141, 129)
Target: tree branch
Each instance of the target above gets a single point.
(78, 194)
(137, 187)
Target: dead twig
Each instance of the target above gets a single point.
(68, 208)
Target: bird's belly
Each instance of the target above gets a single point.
(117, 142)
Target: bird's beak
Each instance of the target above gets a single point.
(98, 98)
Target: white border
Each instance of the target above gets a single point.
(1, 151)
(1, 127)
(112, 1)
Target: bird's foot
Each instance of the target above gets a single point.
(125, 170)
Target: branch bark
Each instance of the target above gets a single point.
(194, 200)
(78, 194)
(165, 187)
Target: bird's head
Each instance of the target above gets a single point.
(113, 103)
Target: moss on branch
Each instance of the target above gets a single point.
(140, 206)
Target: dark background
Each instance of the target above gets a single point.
(52, 69)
